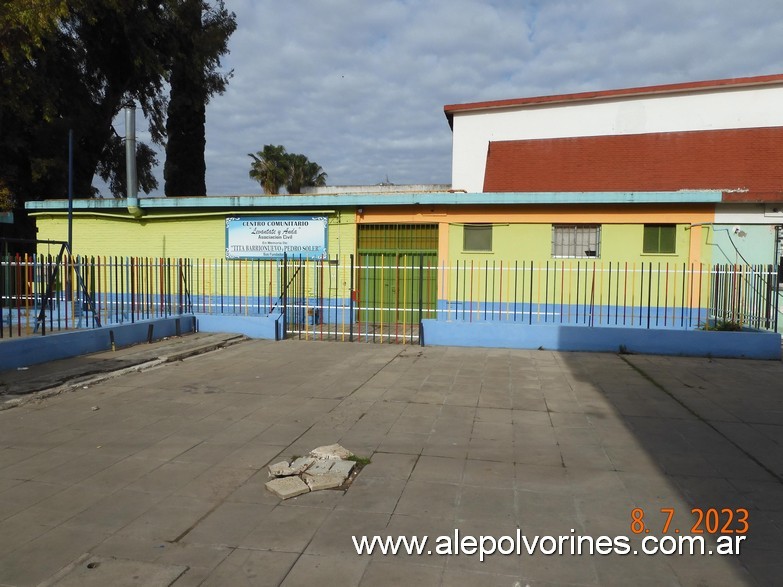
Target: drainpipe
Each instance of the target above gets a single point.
(130, 162)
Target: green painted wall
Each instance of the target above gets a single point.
(495, 275)
(624, 242)
(619, 242)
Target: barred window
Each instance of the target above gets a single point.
(477, 238)
(576, 241)
(660, 238)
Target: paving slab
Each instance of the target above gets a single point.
(323, 481)
(171, 469)
(287, 487)
(301, 464)
(99, 571)
(281, 469)
(342, 468)
(321, 467)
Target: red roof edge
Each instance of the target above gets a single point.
(752, 197)
(451, 109)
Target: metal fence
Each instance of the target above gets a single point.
(382, 298)
(628, 294)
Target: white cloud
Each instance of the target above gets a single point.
(360, 86)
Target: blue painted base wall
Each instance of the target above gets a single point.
(269, 327)
(604, 315)
(31, 350)
(691, 343)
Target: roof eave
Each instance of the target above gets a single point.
(701, 86)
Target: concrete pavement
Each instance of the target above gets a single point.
(164, 482)
(27, 383)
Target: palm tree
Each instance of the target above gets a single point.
(270, 168)
(303, 173)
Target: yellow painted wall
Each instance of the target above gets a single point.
(341, 234)
(192, 237)
(573, 214)
(520, 233)
(524, 232)
(201, 239)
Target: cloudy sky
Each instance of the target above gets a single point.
(359, 86)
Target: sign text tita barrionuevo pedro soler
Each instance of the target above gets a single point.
(270, 237)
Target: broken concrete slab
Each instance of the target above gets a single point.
(301, 464)
(331, 451)
(281, 469)
(343, 468)
(325, 468)
(323, 481)
(287, 487)
(320, 467)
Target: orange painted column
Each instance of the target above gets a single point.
(443, 257)
(694, 254)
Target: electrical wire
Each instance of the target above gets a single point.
(731, 240)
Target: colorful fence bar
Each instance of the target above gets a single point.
(383, 297)
(648, 295)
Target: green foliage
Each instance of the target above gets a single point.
(111, 167)
(6, 198)
(362, 461)
(723, 325)
(302, 172)
(273, 167)
(74, 65)
(23, 25)
(269, 168)
(203, 33)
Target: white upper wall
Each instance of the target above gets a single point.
(749, 214)
(711, 109)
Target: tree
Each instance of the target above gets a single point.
(100, 57)
(201, 38)
(74, 72)
(25, 24)
(73, 65)
(112, 167)
(302, 172)
(270, 168)
(6, 198)
(274, 168)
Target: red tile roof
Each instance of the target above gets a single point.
(451, 109)
(728, 160)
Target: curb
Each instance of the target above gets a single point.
(86, 381)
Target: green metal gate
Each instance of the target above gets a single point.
(397, 274)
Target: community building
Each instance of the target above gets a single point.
(685, 172)
(592, 198)
(722, 136)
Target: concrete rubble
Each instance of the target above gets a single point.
(326, 467)
(332, 451)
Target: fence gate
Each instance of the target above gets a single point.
(396, 279)
(381, 295)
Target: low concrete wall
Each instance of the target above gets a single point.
(21, 352)
(692, 343)
(269, 327)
